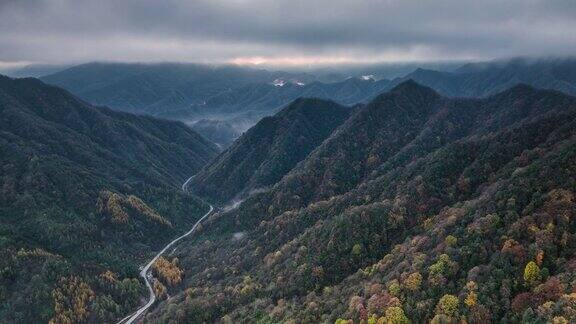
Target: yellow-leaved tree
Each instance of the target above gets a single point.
(531, 273)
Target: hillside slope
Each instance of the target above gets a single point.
(87, 194)
(418, 207)
(270, 149)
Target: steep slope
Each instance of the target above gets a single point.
(87, 194)
(269, 149)
(418, 206)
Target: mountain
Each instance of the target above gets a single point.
(180, 91)
(236, 95)
(487, 78)
(469, 80)
(246, 105)
(87, 194)
(266, 152)
(269, 98)
(419, 208)
(34, 70)
(192, 92)
(163, 89)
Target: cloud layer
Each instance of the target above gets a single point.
(283, 32)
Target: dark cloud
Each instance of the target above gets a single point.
(57, 31)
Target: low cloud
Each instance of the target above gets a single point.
(283, 32)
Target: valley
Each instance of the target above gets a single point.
(146, 276)
(359, 200)
(294, 162)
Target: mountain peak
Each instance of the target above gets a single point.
(408, 84)
(520, 89)
(270, 149)
(303, 103)
(422, 71)
(410, 87)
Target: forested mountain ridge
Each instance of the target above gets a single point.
(87, 194)
(241, 96)
(436, 209)
(185, 91)
(488, 78)
(266, 152)
(268, 98)
(164, 89)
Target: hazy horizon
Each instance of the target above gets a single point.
(394, 69)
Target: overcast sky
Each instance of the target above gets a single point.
(283, 32)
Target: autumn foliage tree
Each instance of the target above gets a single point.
(531, 273)
(72, 299)
(448, 305)
(159, 289)
(169, 272)
(395, 315)
(413, 281)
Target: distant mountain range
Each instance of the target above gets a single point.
(269, 98)
(34, 70)
(87, 194)
(483, 79)
(167, 89)
(192, 92)
(418, 207)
